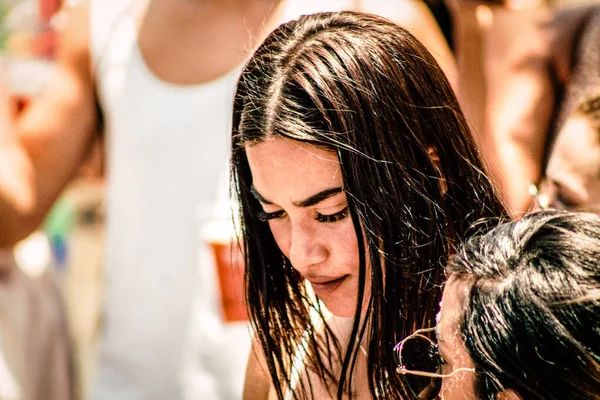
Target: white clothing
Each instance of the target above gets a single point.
(166, 147)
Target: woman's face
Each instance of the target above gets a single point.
(573, 170)
(300, 188)
(461, 385)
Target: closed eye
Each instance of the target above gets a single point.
(331, 218)
(267, 216)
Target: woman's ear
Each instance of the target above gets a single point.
(508, 395)
(438, 167)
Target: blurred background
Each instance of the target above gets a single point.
(70, 241)
(493, 74)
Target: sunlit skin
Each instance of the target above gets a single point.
(459, 386)
(573, 172)
(301, 191)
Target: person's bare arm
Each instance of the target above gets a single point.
(42, 150)
(520, 101)
(257, 383)
(415, 16)
(468, 53)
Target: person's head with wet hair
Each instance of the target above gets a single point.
(356, 176)
(520, 315)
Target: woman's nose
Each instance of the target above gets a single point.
(307, 250)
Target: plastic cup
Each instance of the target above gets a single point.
(229, 263)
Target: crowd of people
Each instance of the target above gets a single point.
(378, 162)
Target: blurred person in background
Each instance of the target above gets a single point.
(478, 32)
(571, 180)
(36, 356)
(539, 64)
(158, 77)
(36, 360)
(519, 317)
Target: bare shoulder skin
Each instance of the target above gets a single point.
(44, 147)
(524, 79)
(415, 16)
(257, 382)
(520, 100)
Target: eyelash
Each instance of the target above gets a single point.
(326, 219)
(265, 216)
(329, 219)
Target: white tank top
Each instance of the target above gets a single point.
(167, 151)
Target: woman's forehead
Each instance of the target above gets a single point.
(451, 306)
(299, 169)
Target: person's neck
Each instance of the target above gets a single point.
(342, 329)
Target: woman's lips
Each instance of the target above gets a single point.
(325, 287)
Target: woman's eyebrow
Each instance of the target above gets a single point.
(319, 197)
(308, 202)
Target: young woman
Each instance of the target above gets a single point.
(356, 175)
(520, 316)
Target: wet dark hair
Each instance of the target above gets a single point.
(531, 321)
(367, 90)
